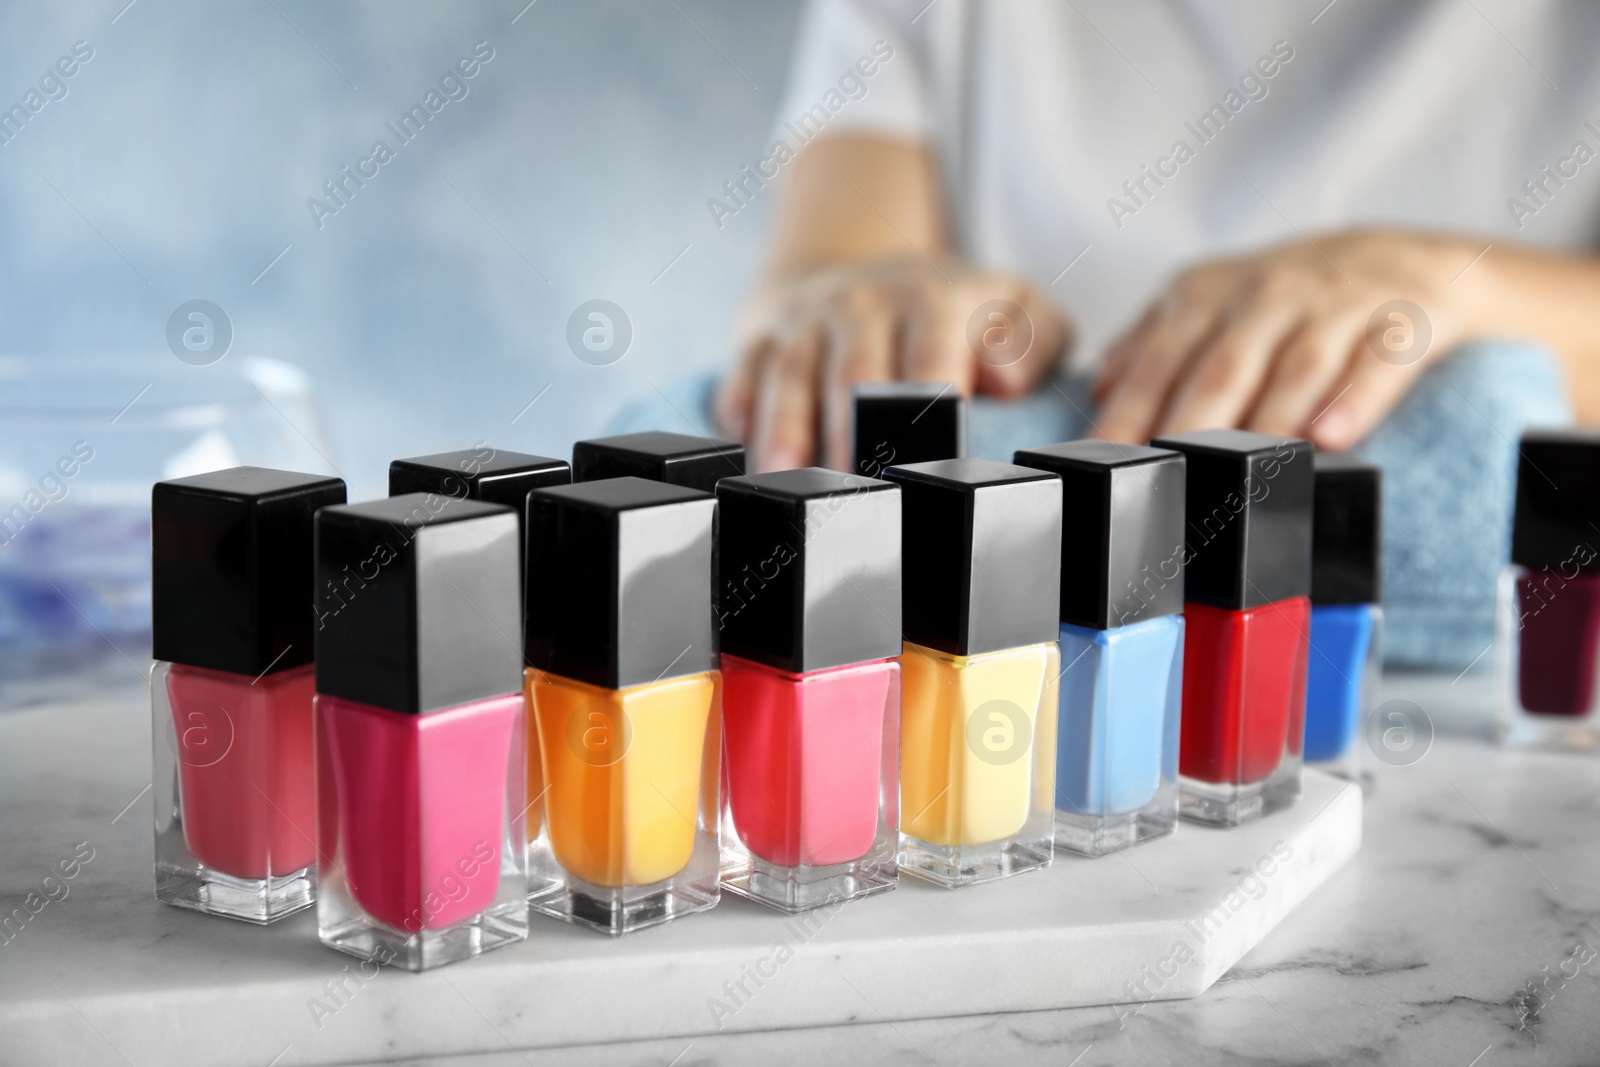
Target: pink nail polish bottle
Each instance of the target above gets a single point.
(420, 730)
(230, 692)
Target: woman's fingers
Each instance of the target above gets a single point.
(1131, 411)
(1012, 374)
(1375, 387)
(785, 425)
(1312, 365)
(1218, 386)
(860, 349)
(736, 394)
(1120, 352)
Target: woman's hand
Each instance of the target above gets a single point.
(1319, 341)
(805, 343)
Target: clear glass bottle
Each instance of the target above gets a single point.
(809, 609)
(420, 731)
(1121, 642)
(1547, 618)
(1247, 621)
(626, 698)
(230, 692)
(981, 544)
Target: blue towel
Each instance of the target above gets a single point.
(1448, 454)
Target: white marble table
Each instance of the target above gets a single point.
(1479, 875)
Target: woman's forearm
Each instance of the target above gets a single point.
(855, 198)
(1548, 297)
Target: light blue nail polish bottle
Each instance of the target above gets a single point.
(1121, 642)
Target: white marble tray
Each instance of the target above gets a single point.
(105, 972)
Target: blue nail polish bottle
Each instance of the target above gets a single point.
(1121, 642)
(1346, 619)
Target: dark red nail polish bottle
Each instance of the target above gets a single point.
(1248, 611)
(1548, 618)
(231, 690)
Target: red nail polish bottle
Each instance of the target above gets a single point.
(230, 692)
(1248, 622)
(1548, 618)
(420, 749)
(809, 606)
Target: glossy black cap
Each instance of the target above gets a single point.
(417, 604)
(619, 582)
(809, 566)
(897, 423)
(1248, 532)
(1558, 501)
(1346, 531)
(1122, 544)
(231, 568)
(481, 473)
(981, 545)
(674, 458)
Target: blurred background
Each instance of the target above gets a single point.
(428, 312)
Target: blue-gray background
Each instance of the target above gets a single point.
(180, 162)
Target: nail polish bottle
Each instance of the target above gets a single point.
(230, 691)
(1548, 617)
(623, 683)
(981, 544)
(1346, 619)
(480, 473)
(809, 608)
(420, 757)
(674, 458)
(1247, 609)
(905, 422)
(1122, 640)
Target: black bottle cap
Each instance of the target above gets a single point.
(231, 568)
(897, 423)
(1122, 548)
(619, 583)
(809, 568)
(1558, 501)
(674, 458)
(417, 604)
(479, 474)
(1346, 531)
(981, 548)
(1248, 509)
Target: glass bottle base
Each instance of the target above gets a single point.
(1551, 733)
(617, 910)
(1220, 804)
(801, 888)
(953, 866)
(253, 900)
(1097, 835)
(1284, 787)
(503, 924)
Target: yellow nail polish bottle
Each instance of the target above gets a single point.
(982, 550)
